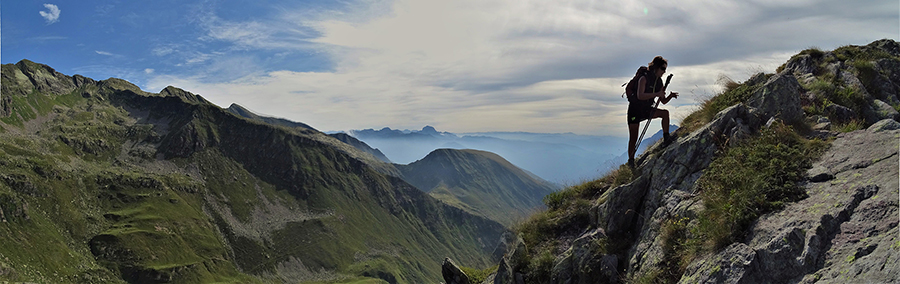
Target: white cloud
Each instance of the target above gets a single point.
(481, 65)
(104, 53)
(163, 50)
(52, 15)
(149, 71)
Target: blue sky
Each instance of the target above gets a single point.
(460, 66)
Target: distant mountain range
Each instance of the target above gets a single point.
(479, 182)
(562, 158)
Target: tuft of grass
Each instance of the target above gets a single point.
(750, 179)
(479, 275)
(850, 126)
(861, 53)
(539, 267)
(732, 94)
(679, 249)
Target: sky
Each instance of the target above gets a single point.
(549, 66)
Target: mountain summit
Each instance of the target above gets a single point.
(479, 182)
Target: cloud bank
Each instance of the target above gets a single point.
(509, 65)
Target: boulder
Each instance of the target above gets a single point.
(452, 273)
(884, 125)
(839, 113)
(515, 260)
(887, 83)
(585, 263)
(801, 64)
(779, 97)
(756, 79)
(884, 110)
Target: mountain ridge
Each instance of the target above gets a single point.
(478, 181)
(169, 187)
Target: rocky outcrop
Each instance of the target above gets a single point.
(845, 232)
(452, 273)
(779, 97)
(876, 82)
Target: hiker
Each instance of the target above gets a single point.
(640, 105)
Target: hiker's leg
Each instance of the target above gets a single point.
(632, 138)
(664, 114)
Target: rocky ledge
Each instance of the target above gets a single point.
(844, 232)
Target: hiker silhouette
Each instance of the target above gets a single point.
(646, 89)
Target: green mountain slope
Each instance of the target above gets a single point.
(480, 182)
(102, 182)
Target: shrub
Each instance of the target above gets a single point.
(478, 275)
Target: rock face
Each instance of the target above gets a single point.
(779, 97)
(845, 232)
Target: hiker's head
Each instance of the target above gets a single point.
(658, 66)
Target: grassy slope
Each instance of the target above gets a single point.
(85, 199)
(479, 182)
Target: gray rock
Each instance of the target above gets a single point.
(822, 126)
(585, 263)
(884, 110)
(514, 260)
(801, 64)
(452, 274)
(730, 266)
(756, 79)
(839, 113)
(884, 125)
(853, 82)
(886, 84)
(886, 45)
(505, 274)
(507, 244)
(779, 97)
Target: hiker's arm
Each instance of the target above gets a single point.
(672, 95)
(641, 95)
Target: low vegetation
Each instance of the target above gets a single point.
(732, 94)
(545, 233)
(757, 176)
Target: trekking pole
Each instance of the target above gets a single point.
(641, 138)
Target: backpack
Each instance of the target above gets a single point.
(631, 86)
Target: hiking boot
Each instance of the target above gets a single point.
(667, 139)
